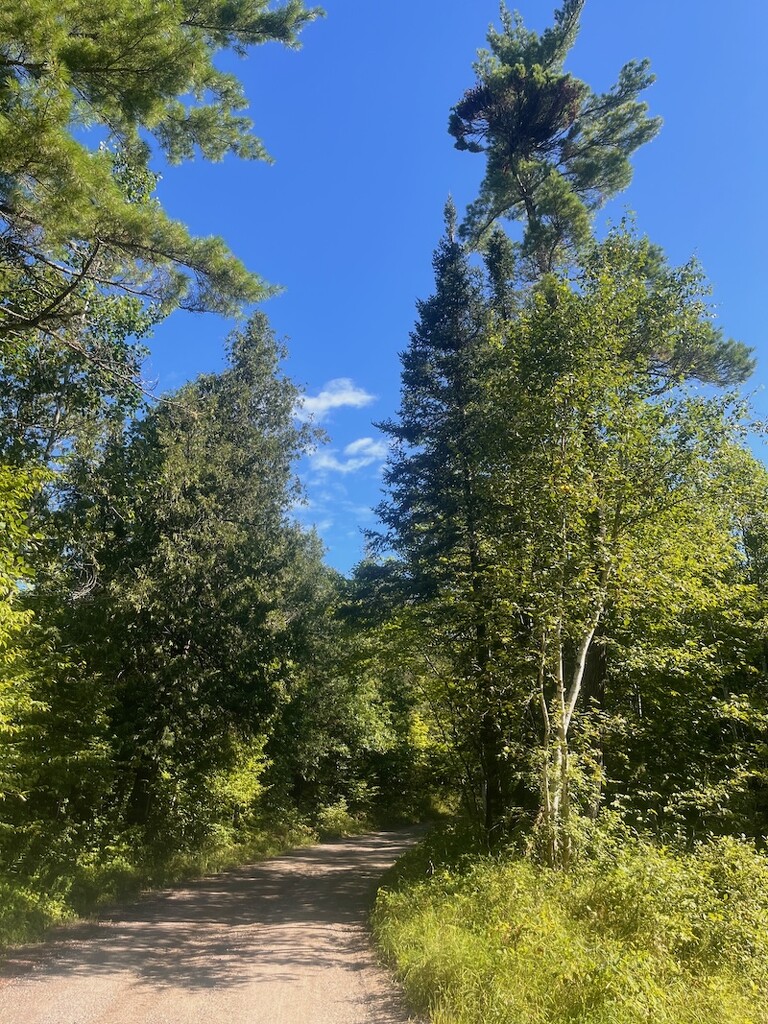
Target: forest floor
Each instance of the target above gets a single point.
(285, 941)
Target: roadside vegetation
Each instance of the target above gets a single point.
(579, 525)
(55, 894)
(559, 633)
(634, 932)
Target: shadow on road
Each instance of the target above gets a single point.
(279, 920)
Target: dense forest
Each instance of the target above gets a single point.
(558, 636)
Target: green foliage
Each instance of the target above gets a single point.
(120, 870)
(89, 260)
(608, 488)
(189, 594)
(16, 492)
(685, 737)
(348, 731)
(639, 933)
(182, 666)
(430, 512)
(555, 151)
(335, 820)
(551, 445)
(575, 614)
(436, 516)
(177, 610)
(17, 544)
(138, 71)
(26, 912)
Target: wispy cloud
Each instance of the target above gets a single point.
(365, 451)
(336, 394)
(367, 447)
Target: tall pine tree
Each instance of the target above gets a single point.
(555, 150)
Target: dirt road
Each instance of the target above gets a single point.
(281, 942)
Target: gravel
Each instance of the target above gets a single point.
(280, 942)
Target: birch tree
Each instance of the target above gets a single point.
(600, 438)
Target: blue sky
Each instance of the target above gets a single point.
(347, 217)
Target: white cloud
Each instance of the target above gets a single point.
(364, 447)
(357, 455)
(336, 394)
(330, 462)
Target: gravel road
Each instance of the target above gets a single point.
(281, 942)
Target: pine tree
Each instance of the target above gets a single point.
(89, 260)
(555, 150)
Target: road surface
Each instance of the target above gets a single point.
(280, 942)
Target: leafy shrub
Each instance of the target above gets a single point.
(25, 912)
(70, 883)
(336, 820)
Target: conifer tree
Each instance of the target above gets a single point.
(436, 510)
(182, 593)
(555, 150)
(89, 260)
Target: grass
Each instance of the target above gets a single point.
(69, 882)
(637, 935)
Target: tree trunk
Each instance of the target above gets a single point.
(495, 800)
(555, 803)
(595, 674)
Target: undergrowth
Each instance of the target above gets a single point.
(638, 934)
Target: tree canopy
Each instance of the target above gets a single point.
(562, 624)
(89, 260)
(555, 150)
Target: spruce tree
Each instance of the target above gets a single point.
(436, 509)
